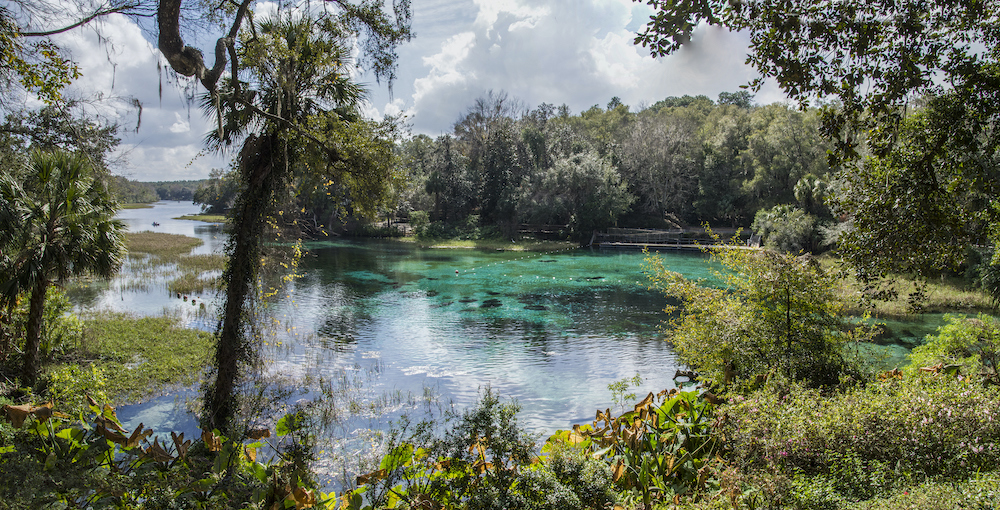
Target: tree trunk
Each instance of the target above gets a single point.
(232, 347)
(33, 333)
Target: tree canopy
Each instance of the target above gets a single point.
(912, 97)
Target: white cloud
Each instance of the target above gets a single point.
(121, 65)
(180, 125)
(578, 52)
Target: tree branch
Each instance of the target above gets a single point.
(187, 60)
(331, 151)
(88, 19)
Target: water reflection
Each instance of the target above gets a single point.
(551, 330)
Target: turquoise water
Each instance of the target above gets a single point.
(384, 328)
(551, 330)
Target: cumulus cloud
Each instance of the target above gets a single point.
(163, 137)
(578, 52)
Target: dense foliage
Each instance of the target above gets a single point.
(681, 161)
(772, 313)
(61, 225)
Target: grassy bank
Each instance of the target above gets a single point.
(945, 294)
(125, 358)
(207, 218)
(492, 244)
(136, 206)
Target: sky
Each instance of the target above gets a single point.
(574, 52)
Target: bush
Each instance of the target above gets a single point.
(970, 346)
(863, 442)
(483, 460)
(68, 386)
(62, 330)
(54, 461)
(786, 229)
(776, 313)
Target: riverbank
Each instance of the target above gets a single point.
(526, 245)
(207, 218)
(945, 294)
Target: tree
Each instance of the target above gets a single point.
(61, 126)
(920, 206)
(786, 229)
(875, 59)
(661, 158)
(583, 191)
(871, 56)
(774, 311)
(217, 194)
(449, 182)
(61, 224)
(291, 108)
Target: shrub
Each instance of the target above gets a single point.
(862, 442)
(776, 312)
(70, 385)
(482, 460)
(968, 345)
(786, 229)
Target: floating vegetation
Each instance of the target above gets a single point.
(193, 283)
(202, 262)
(167, 247)
(467, 300)
(536, 308)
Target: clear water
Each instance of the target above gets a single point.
(551, 330)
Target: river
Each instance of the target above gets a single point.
(551, 330)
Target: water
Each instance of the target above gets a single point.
(551, 330)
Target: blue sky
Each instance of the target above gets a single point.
(577, 52)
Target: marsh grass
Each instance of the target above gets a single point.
(532, 245)
(193, 282)
(207, 218)
(142, 356)
(202, 262)
(166, 247)
(941, 295)
(136, 206)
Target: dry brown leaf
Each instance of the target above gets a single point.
(259, 434)
(618, 471)
(374, 476)
(17, 414)
(212, 442)
(138, 435)
(304, 498)
(157, 453)
(180, 444)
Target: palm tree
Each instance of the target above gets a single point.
(297, 112)
(58, 223)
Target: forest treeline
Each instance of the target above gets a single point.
(682, 161)
(135, 192)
